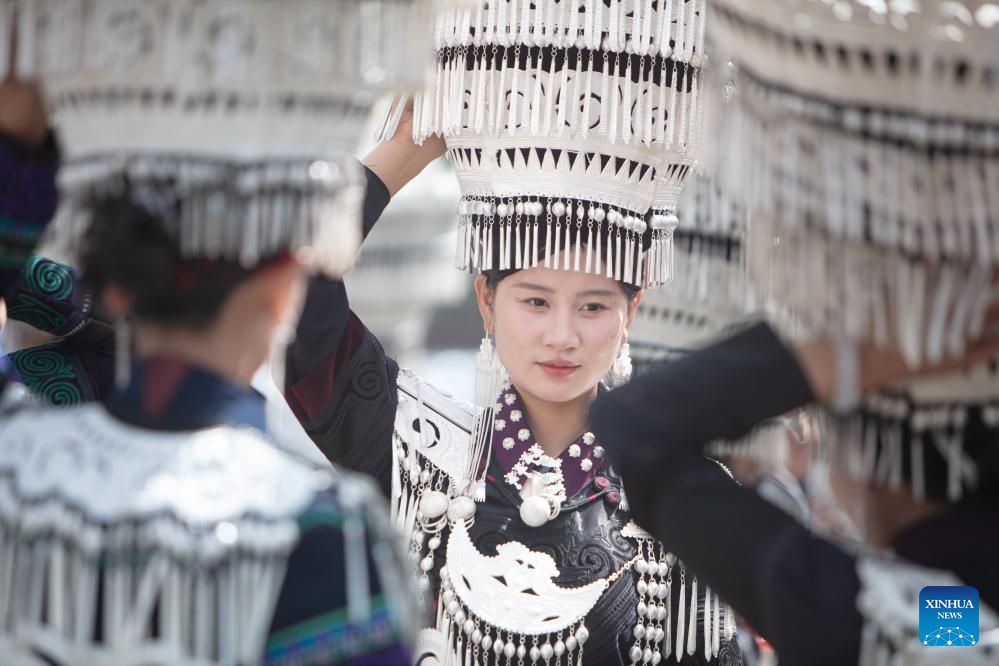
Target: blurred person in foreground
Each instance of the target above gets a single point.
(872, 184)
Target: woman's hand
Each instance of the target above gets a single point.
(879, 367)
(398, 160)
(22, 111)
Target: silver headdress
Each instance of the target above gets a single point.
(709, 292)
(244, 110)
(562, 119)
(863, 139)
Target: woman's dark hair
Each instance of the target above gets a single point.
(128, 245)
(494, 277)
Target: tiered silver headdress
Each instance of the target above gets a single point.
(863, 138)
(710, 291)
(562, 117)
(243, 109)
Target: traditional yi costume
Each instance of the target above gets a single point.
(167, 527)
(561, 120)
(862, 142)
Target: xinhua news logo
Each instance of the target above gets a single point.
(948, 616)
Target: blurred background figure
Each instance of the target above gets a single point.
(207, 169)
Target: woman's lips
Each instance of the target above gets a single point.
(558, 368)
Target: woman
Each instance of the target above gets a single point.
(548, 567)
(159, 528)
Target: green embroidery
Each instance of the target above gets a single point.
(49, 278)
(35, 312)
(48, 375)
(331, 634)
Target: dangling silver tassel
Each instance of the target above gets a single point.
(681, 620)
(692, 629)
(707, 622)
(489, 378)
(122, 353)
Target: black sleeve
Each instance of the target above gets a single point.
(338, 381)
(793, 588)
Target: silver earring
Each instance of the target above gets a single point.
(122, 353)
(620, 373)
(489, 378)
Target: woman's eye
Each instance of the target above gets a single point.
(594, 307)
(536, 302)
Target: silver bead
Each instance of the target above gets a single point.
(459, 618)
(657, 656)
(639, 631)
(641, 609)
(447, 597)
(635, 654)
(535, 653)
(521, 652)
(559, 648)
(453, 608)
(486, 643)
(642, 587)
(476, 637)
(653, 588)
(571, 643)
(647, 656)
(557, 209)
(461, 508)
(502, 209)
(519, 208)
(427, 563)
(660, 634)
(498, 646)
(433, 504)
(434, 543)
(582, 634)
(468, 627)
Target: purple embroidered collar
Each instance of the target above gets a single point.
(518, 453)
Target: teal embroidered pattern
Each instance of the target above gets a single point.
(46, 296)
(48, 374)
(51, 279)
(331, 638)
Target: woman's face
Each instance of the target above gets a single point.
(557, 332)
